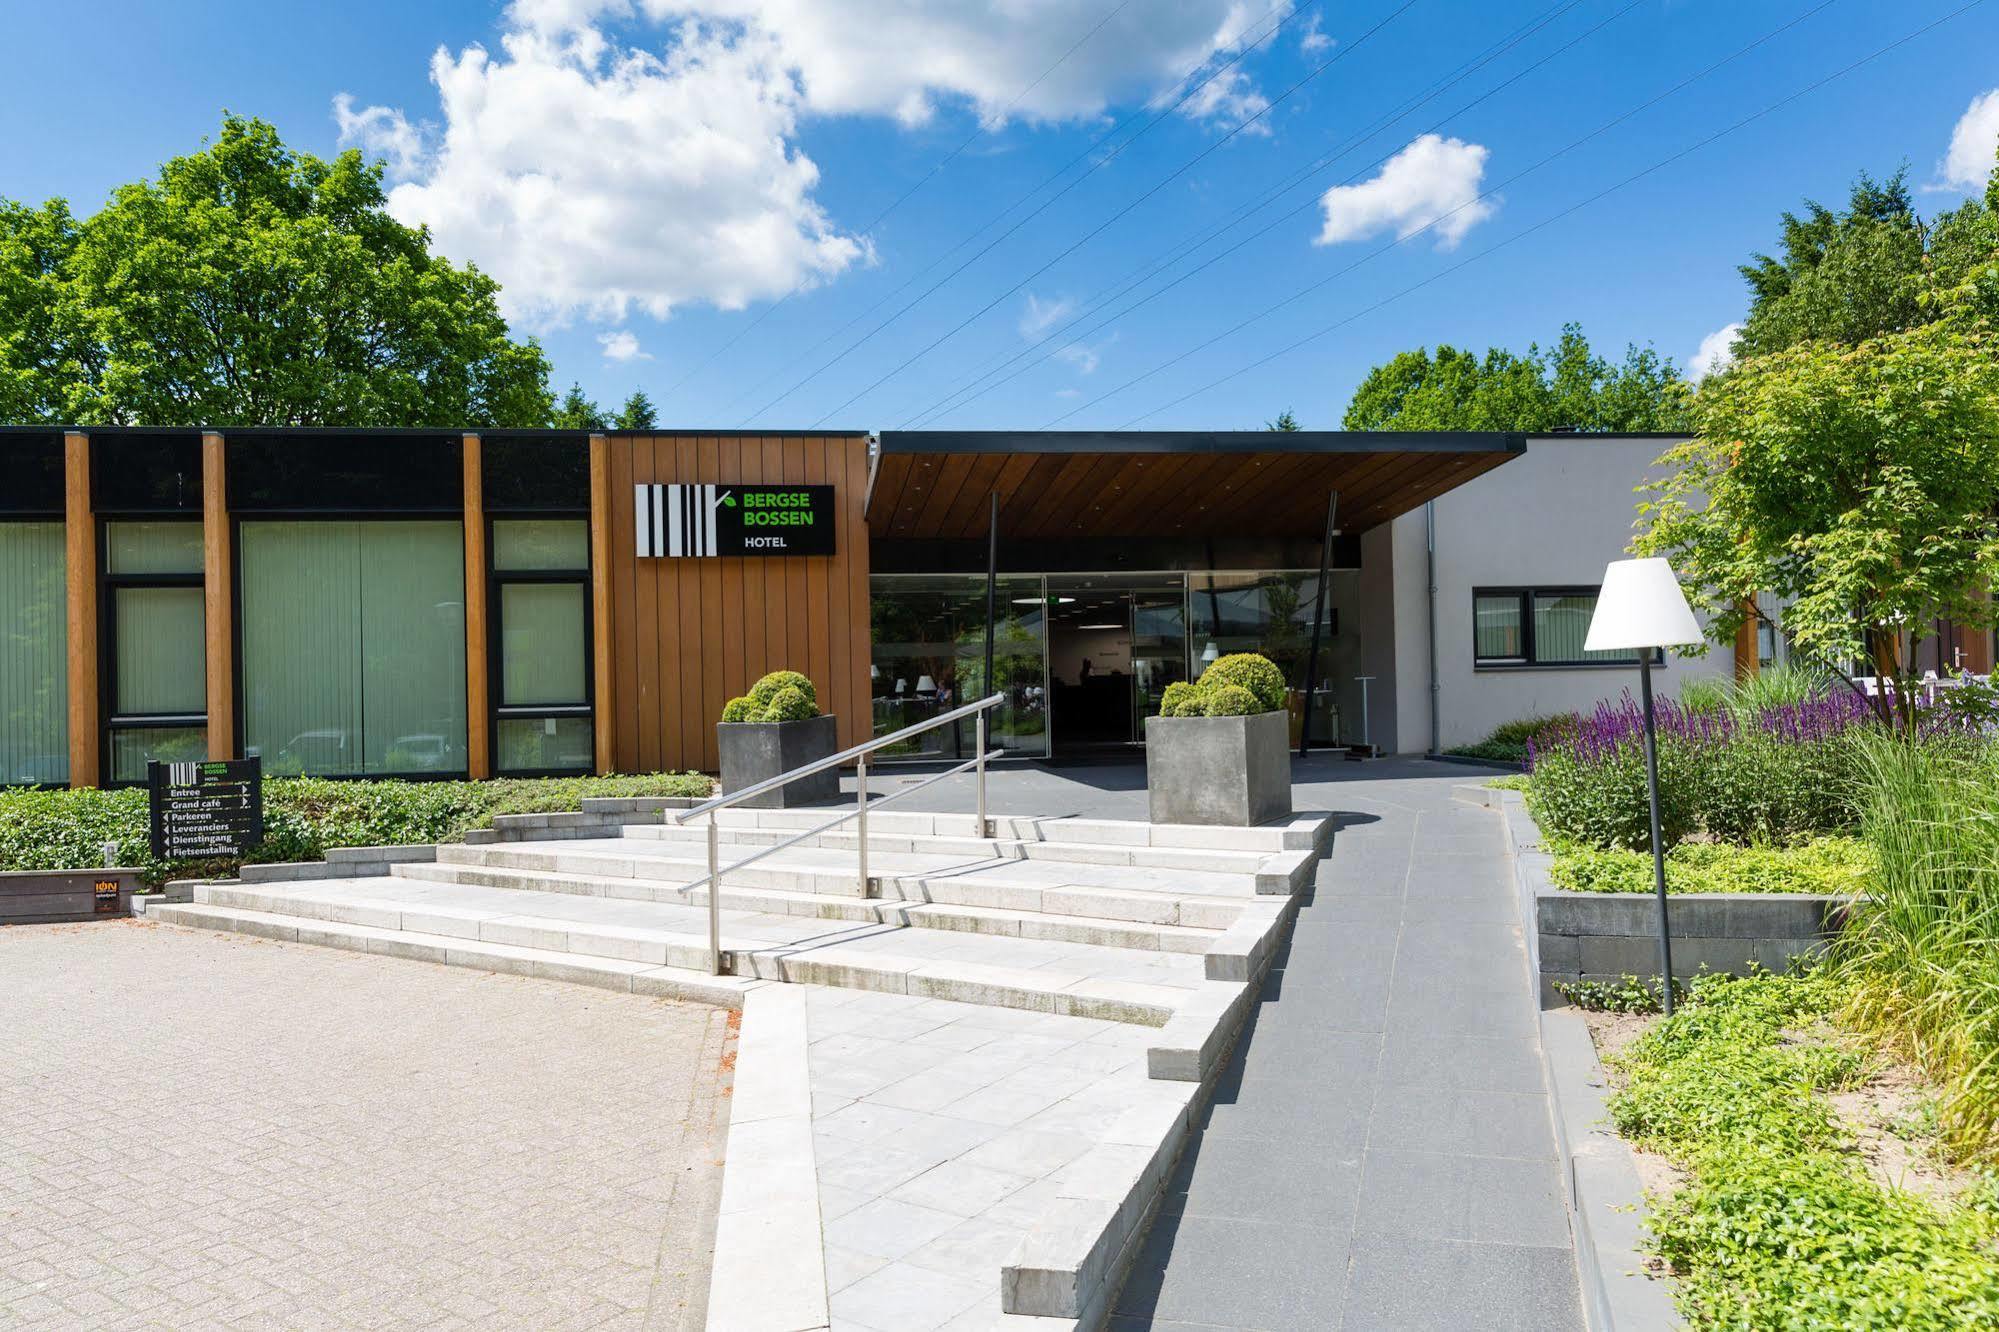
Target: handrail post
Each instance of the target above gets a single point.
(861, 817)
(714, 897)
(984, 827)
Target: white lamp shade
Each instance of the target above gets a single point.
(1640, 606)
(925, 685)
(1210, 653)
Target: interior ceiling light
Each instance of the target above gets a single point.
(1100, 626)
(1038, 601)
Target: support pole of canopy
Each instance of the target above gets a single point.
(1318, 622)
(987, 685)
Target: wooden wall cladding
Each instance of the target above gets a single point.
(687, 635)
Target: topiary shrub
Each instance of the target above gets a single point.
(738, 710)
(765, 691)
(1230, 701)
(1177, 695)
(789, 705)
(1248, 671)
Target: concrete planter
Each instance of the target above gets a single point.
(44, 897)
(757, 751)
(1225, 770)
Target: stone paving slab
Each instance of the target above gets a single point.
(208, 1130)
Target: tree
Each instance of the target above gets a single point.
(638, 413)
(577, 412)
(1848, 463)
(252, 285)
(1565, 387)
(1285, 423)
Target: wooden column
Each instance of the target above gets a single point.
(80, 537)
(1747, 662)
(218, 584)
(478, 695)
(601, 713)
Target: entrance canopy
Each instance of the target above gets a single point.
(932, 485)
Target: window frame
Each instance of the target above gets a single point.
(109, 584)
(1524, 597)
(496, 580)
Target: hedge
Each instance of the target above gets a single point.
(303, 817)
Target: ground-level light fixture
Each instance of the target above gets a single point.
(1641, 609)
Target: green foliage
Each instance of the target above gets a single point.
(1285, 423)
(789, 704)
(1919, 954)
(1627, 994)
(766, 690)
(1509, 741)
(738, 709)
(1258, 675)
(1826, 865)
(1841, 276)
(577, 412)
(1176, 696)
(1567, 386)
(252, 285)
(638, 413)
(1779, 1224)
(1230, 701)
(303, 816)
(1774, 686)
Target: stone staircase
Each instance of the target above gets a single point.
(1085, 917)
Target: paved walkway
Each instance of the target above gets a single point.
(204, 1130)
(1380, 1154)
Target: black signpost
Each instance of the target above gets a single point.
(206, 811)
(707, 521)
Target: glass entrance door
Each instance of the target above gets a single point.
(1114, 643)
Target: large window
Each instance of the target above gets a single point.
(353, 640)
(1528, 626)
(929, 657)
(157, 648)
(541, 603)
(34, 680)
(1271, 614)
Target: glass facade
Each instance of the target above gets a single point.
(353, 646)
(1084, 659)
(34, 681)
(929, 657)
(155, 623)
(541, 610)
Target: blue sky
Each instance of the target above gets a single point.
(654, 178)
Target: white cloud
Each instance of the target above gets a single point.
(1039, 316)
(381, 132)
(1314, 39)
(899, 57)
(1082, 356)
(1433, 180)
(590, 178)
(1716, 352)
(622, 345)
(1969, 163)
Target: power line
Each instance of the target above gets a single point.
(986, 125)
(1423, 230)
(1566, 212)
(984, 382)
(1343, 51)
(1095, 167)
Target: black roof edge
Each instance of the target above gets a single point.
(1202, 441)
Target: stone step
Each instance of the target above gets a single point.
(1115, 920)
(432, 922)
(1295, 832)
(1227, 860)
(896, 874)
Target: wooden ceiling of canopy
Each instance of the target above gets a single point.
(933, 485)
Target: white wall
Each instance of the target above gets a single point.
(1552, 517)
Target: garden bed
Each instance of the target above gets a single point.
(303, 818)
(1794, 1169)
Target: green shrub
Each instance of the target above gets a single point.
(1176, 696)
(738, 709)
(1509, 741)
(303, 816)
(1229, 701)
(1829, 865)
(789, 704)
(1249, 671)
(766, 690)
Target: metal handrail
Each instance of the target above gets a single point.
(858, 756)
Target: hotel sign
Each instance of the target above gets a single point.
(206, 811)
(675, 521)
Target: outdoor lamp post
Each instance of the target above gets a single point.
(1641, 608)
